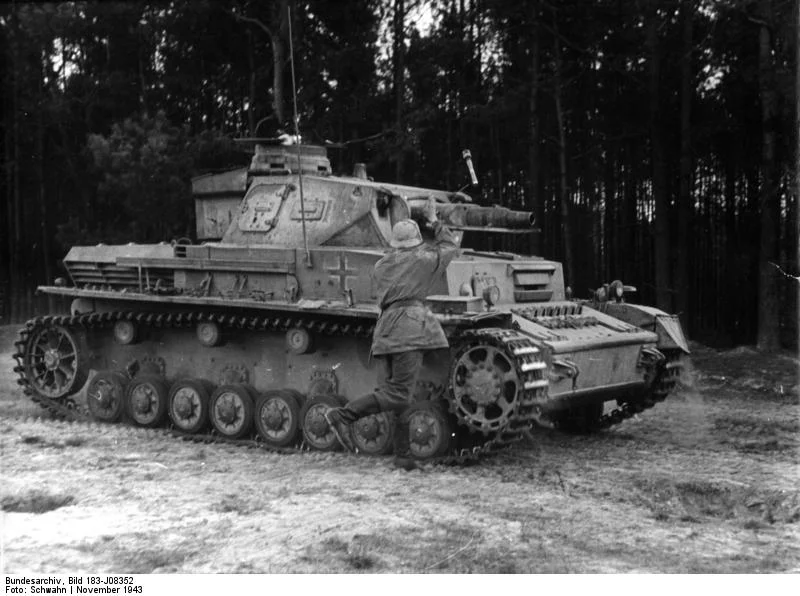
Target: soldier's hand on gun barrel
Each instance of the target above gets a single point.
(430, 211)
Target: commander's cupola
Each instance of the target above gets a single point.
(280, 160)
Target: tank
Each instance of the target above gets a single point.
(265, 323)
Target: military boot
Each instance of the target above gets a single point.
(341, 419)
(403, 459)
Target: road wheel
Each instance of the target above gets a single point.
(147, 400)
(105, 395)
(231, 410)
(316, 430)
(298, 397)
(374, 434)
(188, 404)
(277, 417)
(425, 431)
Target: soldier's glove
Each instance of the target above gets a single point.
(430, 212)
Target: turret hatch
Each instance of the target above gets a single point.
(261, 207)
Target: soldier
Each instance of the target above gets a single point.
(406, 328)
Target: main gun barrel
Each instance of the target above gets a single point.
(460, 216)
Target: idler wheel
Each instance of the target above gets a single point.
(374, 434)
(231, 410)
(54, 364)
(425, 429)
(316, 431)
(188, 404)
(105, 395)
(277, 417)
(147, 400)
(485, 387)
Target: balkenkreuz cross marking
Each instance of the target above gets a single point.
(342, 272)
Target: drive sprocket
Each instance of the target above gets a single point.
(496, 379)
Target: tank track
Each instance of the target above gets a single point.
(67, 409)
(664, 384)
(64, 407)
(517, 346)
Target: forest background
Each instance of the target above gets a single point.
(656, 140)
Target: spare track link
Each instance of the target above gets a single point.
(66, 408)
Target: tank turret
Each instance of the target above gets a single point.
(267, 207)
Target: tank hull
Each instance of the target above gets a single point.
(581, 367)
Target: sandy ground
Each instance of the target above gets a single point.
(706, 482)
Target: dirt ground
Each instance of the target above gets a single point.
(706, 482)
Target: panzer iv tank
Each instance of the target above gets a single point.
(259, 329)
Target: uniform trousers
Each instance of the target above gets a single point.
(397, 381)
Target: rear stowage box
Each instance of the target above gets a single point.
(216, 201)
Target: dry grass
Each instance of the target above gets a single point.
(699, 501)
(142, 552)
(750, 433)
(236, 503)
(752, 425)
(437, 547)
(34, 501)
(73, 441)
(163, 559)
(649, 497)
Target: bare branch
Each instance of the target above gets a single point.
(759, 22)
(463, 548)
(794, 277)
(253, 21)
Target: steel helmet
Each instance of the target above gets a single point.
(405, 234)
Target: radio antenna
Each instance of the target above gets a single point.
(297, 140)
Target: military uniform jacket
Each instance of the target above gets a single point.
(404, 278)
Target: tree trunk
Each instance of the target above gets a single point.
(279, 43)
(534, 134)
(631, 256)
(142, 80)
(251, 100)
(684, 246)
(658, 165)
(278, 103)
(7, 225)
(399, 78)
(733, 312)
(611, 224)
(768, 302)
(563, 191)
(796, 220)
(40, 146)
(16, 279)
